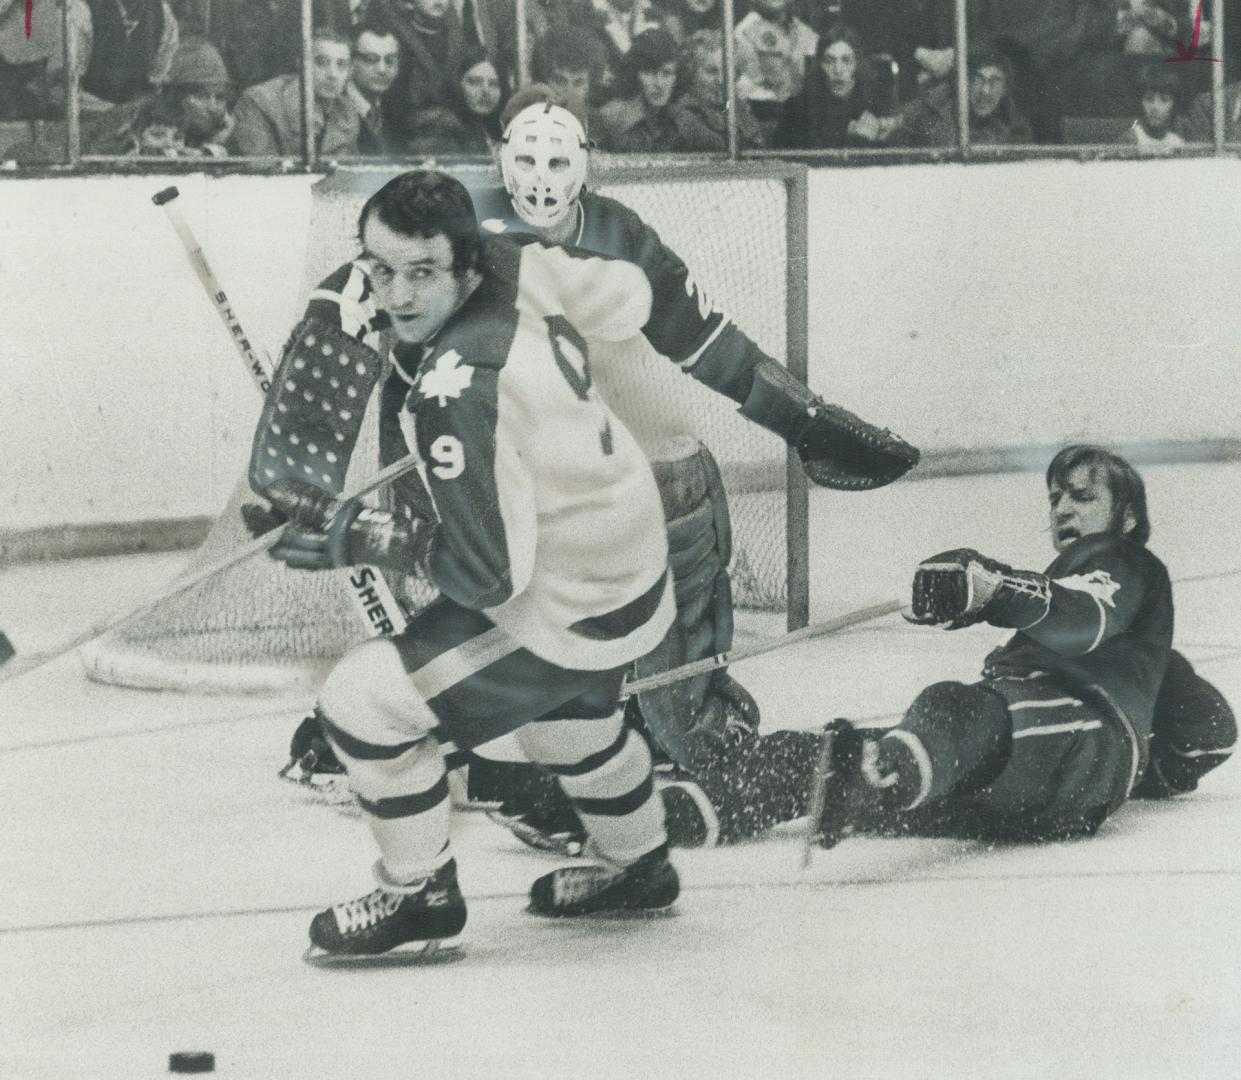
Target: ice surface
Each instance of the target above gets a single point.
(156, 880)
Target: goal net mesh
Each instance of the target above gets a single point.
(261, 627)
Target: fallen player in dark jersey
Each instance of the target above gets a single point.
(1085, 706)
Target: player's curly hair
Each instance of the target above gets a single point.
(425, 203)
(1123, 481)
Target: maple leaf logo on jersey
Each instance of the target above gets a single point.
(1098, 583)
(448, 378)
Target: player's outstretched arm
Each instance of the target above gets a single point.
(839, 450)
(1070, 615)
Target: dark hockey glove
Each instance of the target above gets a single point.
(837, 449)
(260, 519)
(322, 536)
(962, 587)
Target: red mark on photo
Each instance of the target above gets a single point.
(1191, 53)
(29, 15)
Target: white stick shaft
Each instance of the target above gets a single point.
(260, 370)
(372, 602)
(719, 660)
(21, 665)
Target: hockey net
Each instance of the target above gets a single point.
(261, 627)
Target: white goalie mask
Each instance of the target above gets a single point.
(543, 162)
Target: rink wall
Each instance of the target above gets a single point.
(984, 311)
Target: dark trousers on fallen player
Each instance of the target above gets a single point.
(1018, 757)
(401, 711)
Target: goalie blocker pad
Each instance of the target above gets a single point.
(710, 707)
(313, 413)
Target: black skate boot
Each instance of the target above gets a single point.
(410, 923)
(645, 885)
(840, 797)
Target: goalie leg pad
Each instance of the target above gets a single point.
(709, 707)
(313, 412)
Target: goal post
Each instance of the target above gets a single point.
(741, 229)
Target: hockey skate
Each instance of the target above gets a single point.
(390, 925)
(592, 889)
(840, 795)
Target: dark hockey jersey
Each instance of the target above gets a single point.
(684, 326)
(1106, 635)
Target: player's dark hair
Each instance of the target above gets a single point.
(425, 203)
(1123, 481)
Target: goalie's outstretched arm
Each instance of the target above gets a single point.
(838, 449)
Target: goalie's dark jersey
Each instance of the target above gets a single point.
(685, 325)
(1106, 636)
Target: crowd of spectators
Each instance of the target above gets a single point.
(394, 78)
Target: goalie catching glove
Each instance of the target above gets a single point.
(962, 587)
(837, 449)
(323, 535)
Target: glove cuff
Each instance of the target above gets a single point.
(779, 402)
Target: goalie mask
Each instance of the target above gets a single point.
(543, 162)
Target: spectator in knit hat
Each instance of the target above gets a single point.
(640, 119)
(199, 89)
(187, 117)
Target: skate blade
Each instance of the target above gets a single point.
(624, 915)
(415, 954)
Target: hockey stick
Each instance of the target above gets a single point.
(719, 660)
(21, 665)
(387, 613)
(256, 365)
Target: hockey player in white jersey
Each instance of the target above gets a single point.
(547, 545)
(544, 163)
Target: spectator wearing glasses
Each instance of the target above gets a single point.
(994, 117)
(376, 61)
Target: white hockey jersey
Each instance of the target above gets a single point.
(548, 516)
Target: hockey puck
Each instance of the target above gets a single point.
(191, 1062)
